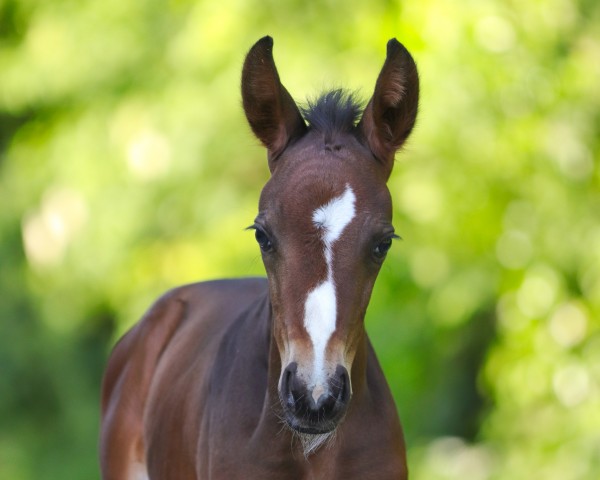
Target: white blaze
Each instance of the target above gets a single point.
(320, 308)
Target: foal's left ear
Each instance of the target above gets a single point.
(390, 115)
(270, 109)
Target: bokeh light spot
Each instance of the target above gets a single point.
(451, 458)
(568, 325)
(422, 200)
(571, 384)
(148, 155)
(495, 34)
(48, 231)
(514, 249)
(429, 266)
(538, 292)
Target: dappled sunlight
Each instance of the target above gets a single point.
(148, 155)
(421, 199)
(568, 324)
(457, 300)
(429, 267)
(571, 384)
(538, 292)
(495, 33)
(450, 458)
(514, 249)
(568, 151)
(48, 231)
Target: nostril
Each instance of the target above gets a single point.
(343, 391)
(287, 383)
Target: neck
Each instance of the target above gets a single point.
(358, 374)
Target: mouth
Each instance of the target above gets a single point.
(313, 421)
(311, 428)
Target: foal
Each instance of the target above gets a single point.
(276, 378)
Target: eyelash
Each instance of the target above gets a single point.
(262, 238)
(382, 247)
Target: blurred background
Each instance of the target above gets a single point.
(127, 168)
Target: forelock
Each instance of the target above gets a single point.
(333, 112)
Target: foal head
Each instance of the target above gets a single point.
(325, 223)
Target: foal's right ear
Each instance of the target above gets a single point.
(270, 109)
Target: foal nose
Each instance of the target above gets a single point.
(317, 409)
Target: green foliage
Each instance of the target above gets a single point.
(126, 168)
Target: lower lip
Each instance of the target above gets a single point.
(312, 430)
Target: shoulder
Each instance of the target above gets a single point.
(232, 286)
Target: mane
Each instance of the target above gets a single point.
(333, 112)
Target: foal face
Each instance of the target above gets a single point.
(324, 223)
(324, 226)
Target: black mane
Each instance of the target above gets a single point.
(334, 112)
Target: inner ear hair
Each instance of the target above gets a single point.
(391, 113)
(271, 111)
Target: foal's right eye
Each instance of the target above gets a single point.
(263, 240)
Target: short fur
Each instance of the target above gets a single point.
(200, 387)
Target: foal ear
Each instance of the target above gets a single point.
(390, 115)
(270, 109)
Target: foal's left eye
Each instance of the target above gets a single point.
(263, 240)
(381, 249)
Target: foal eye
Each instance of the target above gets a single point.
(263, 241)
(381, 249)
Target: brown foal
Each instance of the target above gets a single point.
(276, 378)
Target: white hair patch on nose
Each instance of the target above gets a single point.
(320, 308)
